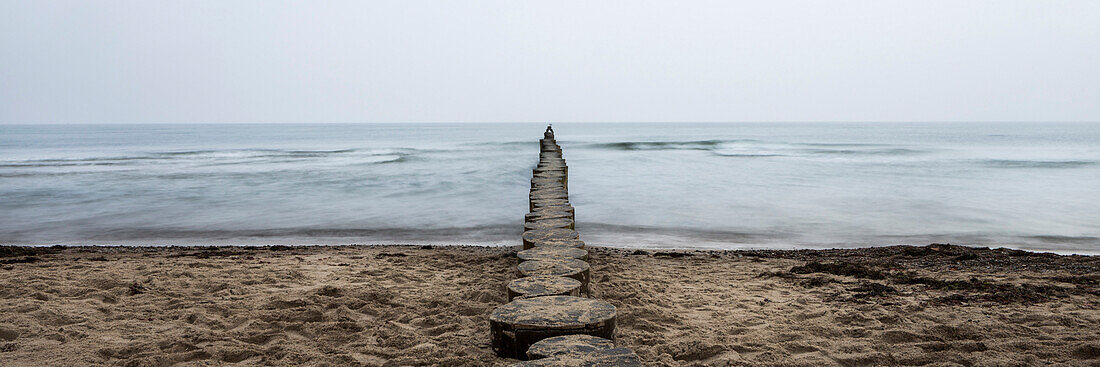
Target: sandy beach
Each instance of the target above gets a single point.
(936, 305)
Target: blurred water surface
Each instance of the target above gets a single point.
(736, 185)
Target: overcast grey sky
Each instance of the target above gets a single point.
(388, 61)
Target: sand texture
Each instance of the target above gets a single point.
(407, 305)
(863, 307)
(347, 306)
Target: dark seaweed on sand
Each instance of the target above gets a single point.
(14, 251)
(886, 264)
(22, 260)
(842, 268)
(672, 254)
(942, 258)
(976, 289)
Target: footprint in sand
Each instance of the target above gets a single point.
(799, 348)
(8, 333)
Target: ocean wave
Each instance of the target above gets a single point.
(1082, 240)
(751, 148)
(524, 143)
(45, 174)
(748, 155)
(498, 231)
(886, 151)
(60, 164)
(219, 157)
(386, 158)
(71, 162)
(664, 145)
(597, 228)
(321, 151)
(253, 153)
(841, 145)
(1008, 163)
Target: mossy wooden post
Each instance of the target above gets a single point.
(542, 203)
(576, 344)
(553, 272)
(524, 321)
(564, 223)
(546, 198)
(546, 214)
(549, 187)
(555, 208)
(548, 182)
(614, 357)
(556, 175)
(569, 268)
(553, 252)
(549, 144)
(546, 203)
(557, 204)
(574, 243)
(554, 178)
(551, 167)
(551, 212)
(548, 194)
(543, 285)
(550, 171)
(547, 234)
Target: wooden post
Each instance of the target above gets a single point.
(553, 252)
(568, 345)
(546, 320)
(543, 285)
(547, 234)
(569, 268)
(564, 223)
(524, 321)
(615, 357)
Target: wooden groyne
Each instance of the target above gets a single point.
(551, 319)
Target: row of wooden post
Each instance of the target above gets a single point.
(551, 318)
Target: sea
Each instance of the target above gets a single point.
(1033, 186)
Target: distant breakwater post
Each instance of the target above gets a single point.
(551, 319)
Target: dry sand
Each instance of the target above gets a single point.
(408, 305)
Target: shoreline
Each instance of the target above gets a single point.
(384, 305)
(512, 243)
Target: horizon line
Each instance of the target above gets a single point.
(536, 122)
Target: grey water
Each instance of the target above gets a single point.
(735, 185)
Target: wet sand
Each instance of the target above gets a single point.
(409, 305)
